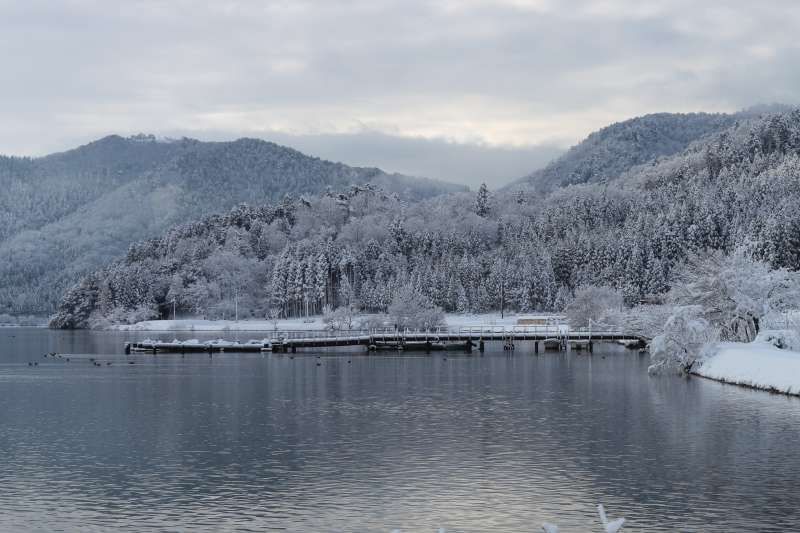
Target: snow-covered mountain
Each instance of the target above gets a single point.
(66, 214)
(528, 249)
(615, 149)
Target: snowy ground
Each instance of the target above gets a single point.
(299, 324)
(757, 364)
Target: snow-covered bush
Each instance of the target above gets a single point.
(411, 309)
(686, 338)
(593, 304)
(340, 318)
(784, 339)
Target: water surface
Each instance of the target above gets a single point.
(350, 442)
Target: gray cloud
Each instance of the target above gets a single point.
(477, 73)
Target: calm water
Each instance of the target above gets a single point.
(492, 443)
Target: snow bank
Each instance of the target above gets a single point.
(757, 364)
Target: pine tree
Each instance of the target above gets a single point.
(482, 201)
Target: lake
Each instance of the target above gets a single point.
(351, 442)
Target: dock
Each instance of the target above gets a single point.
(464, 338)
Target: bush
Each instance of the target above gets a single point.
(412, 310)
(593, 304)
(339, 319)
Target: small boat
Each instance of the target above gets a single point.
(552, 344)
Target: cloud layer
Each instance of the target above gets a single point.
(498, 72)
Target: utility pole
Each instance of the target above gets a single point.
(503, 297)
(173, 309)
(236, 303)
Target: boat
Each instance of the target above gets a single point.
(552, 344)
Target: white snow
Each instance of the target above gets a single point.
(220, 343)
(756, 364)
(452, 320)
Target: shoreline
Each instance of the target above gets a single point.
(757, 365)
(746, 385)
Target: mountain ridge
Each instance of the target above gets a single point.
(132, 188)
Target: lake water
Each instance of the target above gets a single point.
(375, 443)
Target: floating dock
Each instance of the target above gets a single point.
(441, 339)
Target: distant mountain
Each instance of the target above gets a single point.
(66, 214)
(615, 149)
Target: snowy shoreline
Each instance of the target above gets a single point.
(756, 365)
(452, 320)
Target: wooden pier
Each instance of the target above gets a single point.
(465, 338)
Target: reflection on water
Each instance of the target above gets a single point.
(374, 443)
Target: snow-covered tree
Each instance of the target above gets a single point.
(482, 201)
(593, 305)
(340, 318)
(685, 336)
(735, 291)
(410, 309)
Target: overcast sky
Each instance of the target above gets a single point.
(454, 89)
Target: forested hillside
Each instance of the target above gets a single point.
(66, 214)
(613, 150)
(468, 252)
